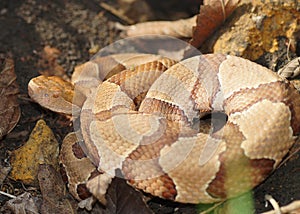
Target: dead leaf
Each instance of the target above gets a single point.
(23, 204)
(212, 14)
(9, 108)
(122, 198)
(119, 198)
(48, 64)
(41, 148)
(181, 28)
(4, 170)
(54, 192)
(290, 70)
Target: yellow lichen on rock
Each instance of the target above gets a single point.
(41, 148)
(255, 27)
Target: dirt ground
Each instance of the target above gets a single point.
(73, 27)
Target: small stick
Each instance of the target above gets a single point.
(223, 10)
(117, 13)
(293, 207)
(273, 203)
(7, 194)
(288, 50)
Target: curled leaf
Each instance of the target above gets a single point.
(290, 70)
(212, 14)
(181, 28)
(9, 108)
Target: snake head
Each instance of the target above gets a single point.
(53, 93)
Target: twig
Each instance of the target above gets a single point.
(7, 194)
(212, 208)
(291, 154)
(288, 49)
(117, 13)
(223, 10)
(274, 203)
(293, 207)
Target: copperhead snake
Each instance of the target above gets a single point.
(140, 115)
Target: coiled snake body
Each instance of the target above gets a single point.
(144, 120)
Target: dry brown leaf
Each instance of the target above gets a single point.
(54, 192)
(212, 14)
(9, 108)
(4, 171)
(41, 148)
(122, 198)
(22, 204)
(181, 28)
(290, 70)
(48, 64)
